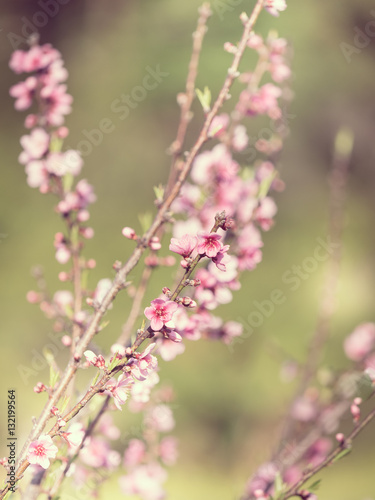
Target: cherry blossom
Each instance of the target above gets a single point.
(184, 246)
(209, 244)
(160, 313)
(41, 451)
(275, 6)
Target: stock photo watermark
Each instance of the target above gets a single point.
(361, 39)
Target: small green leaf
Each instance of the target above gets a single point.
(115, 361)
(145, 220)
(159, 192)
(315, 486)
(95, 378)
(204, 98)
(64, 404)
(342, 454)
(280, 487)
(53, 376)
(103, 325)
(265, 185)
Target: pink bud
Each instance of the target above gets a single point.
(229, 47)
(66, 341)
(33, 297)
(357, 401)
(83, 215)
(91, 264)
(166, 291)
(62, 132)
(129, 233)
(63, 276)
(356, 412)
(87, 232)
(340, 437)
(54, 410)
(40, 388)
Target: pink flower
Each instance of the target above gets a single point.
(97, 453)
(160, 418)
(184, 246)
(209, 244)
(214, 166)
(60, 164)
(168, 450)
(119, 389)
(304, 409)
(218, 125)
(35, 145)
(262, 102)
(222, 258)
(41, 450)
(360, 342)
(145, 481)
(168, 349)
(250, 243)
(23, 92)
(265, 212)
(74, 435)
(240, 138)
(144, 364)
(275, 6)
(160, 312)
(134, 453)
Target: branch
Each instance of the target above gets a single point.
(120, 279)
(332, 457)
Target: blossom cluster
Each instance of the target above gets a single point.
(48, 167)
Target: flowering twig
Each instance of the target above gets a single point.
(119, 282)
(334, 455)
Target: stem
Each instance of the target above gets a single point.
(293, 491)
(89, 430)
(136, 307)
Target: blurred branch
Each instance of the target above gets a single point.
(338, 182)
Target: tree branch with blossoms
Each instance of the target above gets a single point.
(53, 171)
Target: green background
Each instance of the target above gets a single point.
(230, 402)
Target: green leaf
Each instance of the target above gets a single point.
(315, 486)
(159, 192)
(204, 98)
(103, 325)
(280, 487)
(95, 379)
(342, 454)
(265, 185)
(64, 404)
(53, 376)
(145, 220)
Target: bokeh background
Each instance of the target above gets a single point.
(230, 402)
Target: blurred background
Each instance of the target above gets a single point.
(230, 402)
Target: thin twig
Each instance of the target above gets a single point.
(293, 491)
